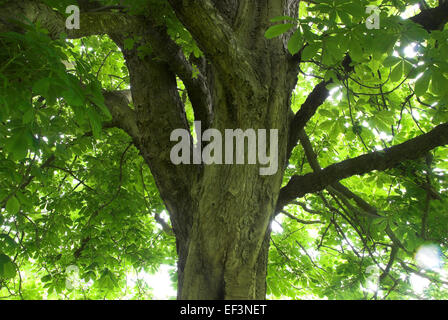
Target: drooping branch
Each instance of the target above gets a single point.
(91, 23)
(339, 187)
(94, 214)
(388, 158)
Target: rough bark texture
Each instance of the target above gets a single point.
(229, 238)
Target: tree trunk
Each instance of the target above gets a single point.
(227, 249)
(229, 236)
(212, 275)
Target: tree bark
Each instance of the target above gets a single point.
(221, 214)
(235, 206)
(229, 236)
(250, 80)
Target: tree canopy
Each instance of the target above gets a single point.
(361, 212)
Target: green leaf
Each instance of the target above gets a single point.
(19, 143)
(308, 34)
(331, 75)
(13, 205)
(325, 113)
(98, 99)
(196, 51)
(345, 18)
(355, 49)
(129, 43)
(416, 71)
(46, 278)
(7, 267)
(356, 9)
(277, 30)
(326, 125)
(95, 122)
(28, 116)
(380, 224)
(295, 43)
(439, 83)
(107, 280)
(310, 51)
(422, 84)
(386, 116)
(72, 98)
(89, 275)
(416, 32)
(8, 244)
(397, 73)
(391, 61)
(42, 87)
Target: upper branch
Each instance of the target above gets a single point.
(211, 31)
(315, 99)
(195, 82)
(201, 16)
(91, 23)
(434, 18)
(388, 158)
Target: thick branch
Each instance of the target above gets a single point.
(91, 23)
(215, 37)
(388, 158)
(434, 18)
(122, 115)
(159, 110)
(338, 187)
(201, 16)
(316, 98)
(194, 82)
